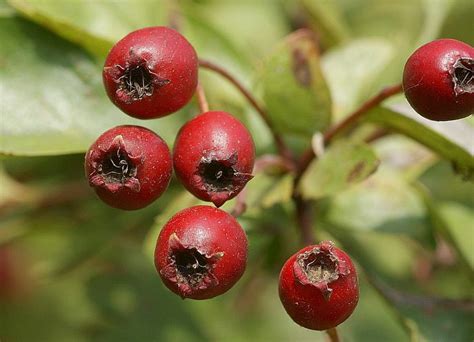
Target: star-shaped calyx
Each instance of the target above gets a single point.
(114, 167)
(319, 267)
(190, 268)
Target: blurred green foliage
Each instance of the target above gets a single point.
(80, 271)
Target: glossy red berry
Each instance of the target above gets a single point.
(213, 156)
(201, 252)
(151, 72)
(318, 286)
(438, 80)
(129, 167)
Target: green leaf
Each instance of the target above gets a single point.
(352, 69)
(451, 140)
(343, 164)
(430, 318)
(294, 89)
(93, 25)
(239, 22)
(458, 221)
(53, 101)
(443, 187)
(385, 202)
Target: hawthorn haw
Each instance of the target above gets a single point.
(438, 80)
(151, 72)
(201, 252)
(213, 156)
(129, 167)
(318, 286)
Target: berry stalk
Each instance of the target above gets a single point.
(283, 150)
(201, 99)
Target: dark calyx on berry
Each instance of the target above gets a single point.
(463, 76)
(319, 267)
(136, 81)
(220, 178)
(218, 174)
(190, 269)
(115, 167)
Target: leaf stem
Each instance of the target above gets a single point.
(283, 150)
(308, 156)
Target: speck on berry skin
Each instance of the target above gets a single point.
(214, 156)
(438, 80)
(318, 286)
(201, 252)
(129, 167)
(151, 72)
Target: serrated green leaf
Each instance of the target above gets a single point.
(343, 164)
(294, 89)
(53, 101)
(451, 140)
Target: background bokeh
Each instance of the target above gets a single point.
(72, 269)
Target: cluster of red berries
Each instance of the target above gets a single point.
(202, 251)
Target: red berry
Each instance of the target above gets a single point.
(438, 80)
(201, 252)
(318, 286)
(151, 72)
(213, 156)
(129, 167)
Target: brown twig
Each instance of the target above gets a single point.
(303, 207)
(376, 135)
(308, 156)
(201, 98)
(333, 335)
(304, 217)
(283, 150)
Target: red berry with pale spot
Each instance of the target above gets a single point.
(214, 156)
(151, 72)
(438, 80)
(318, 286)
(201, 252)
(129, 167)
